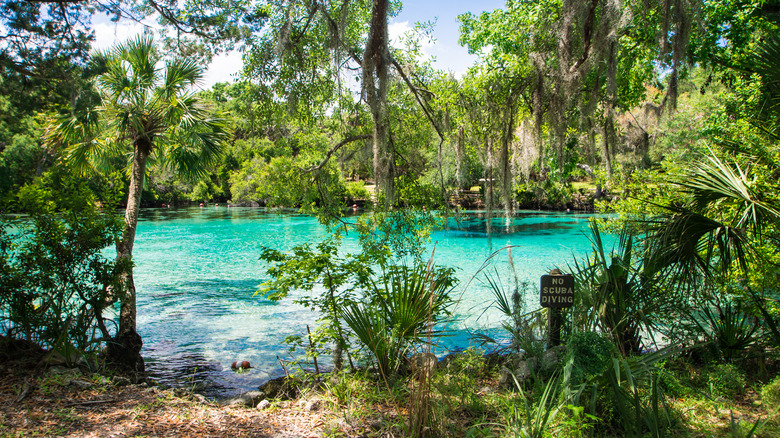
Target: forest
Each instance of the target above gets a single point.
(661, 117)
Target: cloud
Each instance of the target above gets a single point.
(223, 67)
(396, 31)
(107, 34)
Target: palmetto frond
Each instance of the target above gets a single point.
(766, 63)
(179, 75)
(717, 230)
(192, 150)
(140, 55)
(715, 181)
(687, 245)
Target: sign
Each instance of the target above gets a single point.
(557, 291)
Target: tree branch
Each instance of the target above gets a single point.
(588, 35)
(335, 28)
(178, 24)
(336, 148)
(414, 91)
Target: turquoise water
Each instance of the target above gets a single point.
(196, 271)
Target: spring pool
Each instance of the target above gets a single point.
(197, 269)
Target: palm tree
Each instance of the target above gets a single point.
(147, 114)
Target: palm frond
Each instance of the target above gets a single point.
(191, 150)
(179, 75)
(140, 53)
(714, 180)
(371, 330)
(766, 62)
(687, 245)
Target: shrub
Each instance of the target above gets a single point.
(53, 274)
(770, 394)
(356, 190)
(400, 312)
(591, 354)
(726, 380)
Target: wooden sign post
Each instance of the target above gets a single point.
(556, 292)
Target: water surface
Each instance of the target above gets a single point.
(197, 269)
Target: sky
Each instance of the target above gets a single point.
(448, 54)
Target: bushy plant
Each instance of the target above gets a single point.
(728, 325)
(401, 312)
(356, 190)
(306, 266)
(590, 353)
(770, 395)
(54, 276)
(636, 396)
(726, 380)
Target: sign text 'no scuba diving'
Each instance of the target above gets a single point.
(557, 291)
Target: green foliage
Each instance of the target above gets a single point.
(205, 190)
(400, 313)
(684, 134)
(356, 190)
(770, 395)
(549, 193)
(526, 329)
(43, 56)
(537, 417)
(460, 378)
(728, 325)
(349, 279)
(414, 194)
(304, 268)
(288, 182)
(634, 393)
(725, 380)
(590, 354)
(18, 164)
(401, 233)
(676, 383)
(55, 277)
(618, 293)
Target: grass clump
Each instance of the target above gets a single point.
(770, 395)
(726, 381)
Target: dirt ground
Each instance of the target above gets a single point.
(67, 402)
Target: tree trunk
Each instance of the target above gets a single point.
(610, 137)
(375, 71)
(507, 135)
(125, 349)
(537, 99)
(609, 141)
(506, 170)
(460, 158)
